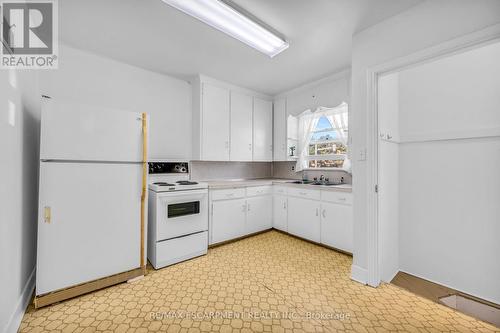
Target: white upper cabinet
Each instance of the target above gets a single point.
(214, 123)
(279, 142)
(262, 130)
(241, 127)
(230, 123)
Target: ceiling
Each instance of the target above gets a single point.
(157, 37)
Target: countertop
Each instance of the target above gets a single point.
(238, 183)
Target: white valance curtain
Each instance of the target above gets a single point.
(308, 120)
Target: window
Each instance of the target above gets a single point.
(328, 143)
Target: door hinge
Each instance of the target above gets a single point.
(376, 188)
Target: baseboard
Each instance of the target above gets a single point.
(17, 316)
(359, 274)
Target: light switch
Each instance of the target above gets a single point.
(362, 155)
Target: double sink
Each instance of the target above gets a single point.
(315, 182)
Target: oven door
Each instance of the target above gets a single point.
(181, 213)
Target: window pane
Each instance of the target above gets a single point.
(323, 123)
(325, 136)
(326, 164)
(326, 148)
(340, 148)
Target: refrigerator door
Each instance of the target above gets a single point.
(89, 222)
(78, 132)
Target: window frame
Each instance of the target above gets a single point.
(326, 157)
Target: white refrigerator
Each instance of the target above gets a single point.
(91, 197)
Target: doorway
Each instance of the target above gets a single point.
(438, 144)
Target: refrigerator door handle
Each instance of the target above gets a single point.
(47, 214)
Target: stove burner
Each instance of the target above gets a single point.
(163, 184)
(186, 182)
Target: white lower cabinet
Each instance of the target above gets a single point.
(336, 226)
(280, 212)
(228, 220)
(320, 216)
(304, 219)
(259, 214)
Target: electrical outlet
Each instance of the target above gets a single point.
(293, 167)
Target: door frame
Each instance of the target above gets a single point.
(458, 45)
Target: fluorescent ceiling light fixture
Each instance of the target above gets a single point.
(226, 18)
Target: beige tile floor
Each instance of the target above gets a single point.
(267, 283)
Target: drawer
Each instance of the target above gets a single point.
(259, 190)
(226, 194)
(283, 190)
(304, 193)
(337, 197)
(171, 251)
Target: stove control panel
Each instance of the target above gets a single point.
(168, 167)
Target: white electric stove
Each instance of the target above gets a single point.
(178, 214)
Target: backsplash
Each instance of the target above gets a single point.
(201, 170)
(284, 170)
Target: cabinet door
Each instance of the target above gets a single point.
(241, 127)
(336, 226)
(279, 133)
(280, 212)
(228, 220)
(259, 214)
(262, 130)
(303, 218)
(215, 123)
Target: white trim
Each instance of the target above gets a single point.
(451, 287)
(358, 274)
(231, 87)
(457, 45)
(18, 314)
(343, 74)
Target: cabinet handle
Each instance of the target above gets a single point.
(323, 213)
(342, 199)
(229, 195)
(227, 144)
(271, 146)
(244, 208)
(302, 193)
(317, 212)
(248, 207)
(284, 205)
(249, 146)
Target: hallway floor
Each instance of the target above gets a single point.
(267, 283)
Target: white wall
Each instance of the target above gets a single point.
(427, 24)
(90, 79)
(329, 92)
(19, 142)
(450, 190)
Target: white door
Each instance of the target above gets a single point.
(303, 218)
(94, 225)
(215, 123)
(279, 133)
(228, 220)
(280, 212)
(259, 213)
(262, 130)
(241, 127)
(88, 133)
(336, 226)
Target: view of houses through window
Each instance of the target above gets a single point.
(328, 144)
